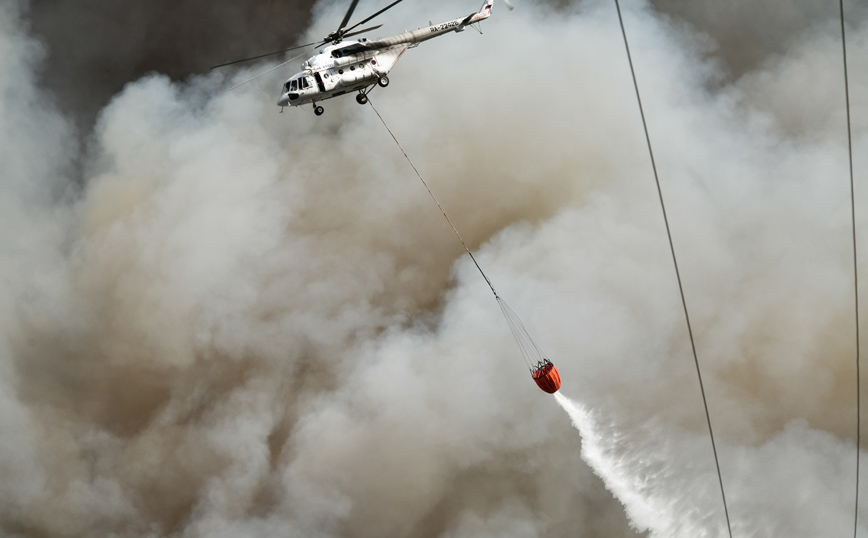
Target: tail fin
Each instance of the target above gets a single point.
(486, 7)
(484, 12)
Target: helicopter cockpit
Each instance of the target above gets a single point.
(299, 87)
(298, 83)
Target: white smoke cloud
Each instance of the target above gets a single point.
(255, 324)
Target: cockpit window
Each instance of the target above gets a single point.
(303, 83)
(293, 86)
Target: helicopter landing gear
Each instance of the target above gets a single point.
(384, 81)
(362, 99)
(318, 110)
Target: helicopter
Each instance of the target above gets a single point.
(356, 65)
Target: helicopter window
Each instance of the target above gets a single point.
(304, 83)
(293, 86)
(336, 54)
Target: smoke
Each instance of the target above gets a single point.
(253, 324)
(747, 35)
(95, 47)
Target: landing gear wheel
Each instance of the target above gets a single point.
(362, 99)
(318, 110)
(383, 82)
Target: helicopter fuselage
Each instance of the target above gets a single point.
(357, 65)
(325, 77)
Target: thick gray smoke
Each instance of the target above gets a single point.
(747, 34)
(255, 324)
(97, 46)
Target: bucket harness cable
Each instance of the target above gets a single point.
(533, 356)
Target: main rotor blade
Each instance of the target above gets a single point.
(265, 72)
(357, 32)
(269, 54)
(348, 15)
(390, 6)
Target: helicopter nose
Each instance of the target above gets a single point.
(284, 100)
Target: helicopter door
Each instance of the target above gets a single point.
(319, 81)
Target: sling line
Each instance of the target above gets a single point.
(454, 229)
(533, 356)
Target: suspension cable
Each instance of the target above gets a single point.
(435, 199)
(677, 272)
(855, 268)
(533, 356)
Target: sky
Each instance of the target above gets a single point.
(219, 320)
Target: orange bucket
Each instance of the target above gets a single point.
(547, 378)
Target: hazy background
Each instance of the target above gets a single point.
(217, 320)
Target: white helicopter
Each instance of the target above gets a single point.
(348, 66)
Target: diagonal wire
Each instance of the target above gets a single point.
(677, 272)
(454, 229)
(855, 268)
(532, 355)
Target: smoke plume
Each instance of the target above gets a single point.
(93, 48)
(246, 323)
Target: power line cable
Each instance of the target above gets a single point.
(677, 272)
(855, 268)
